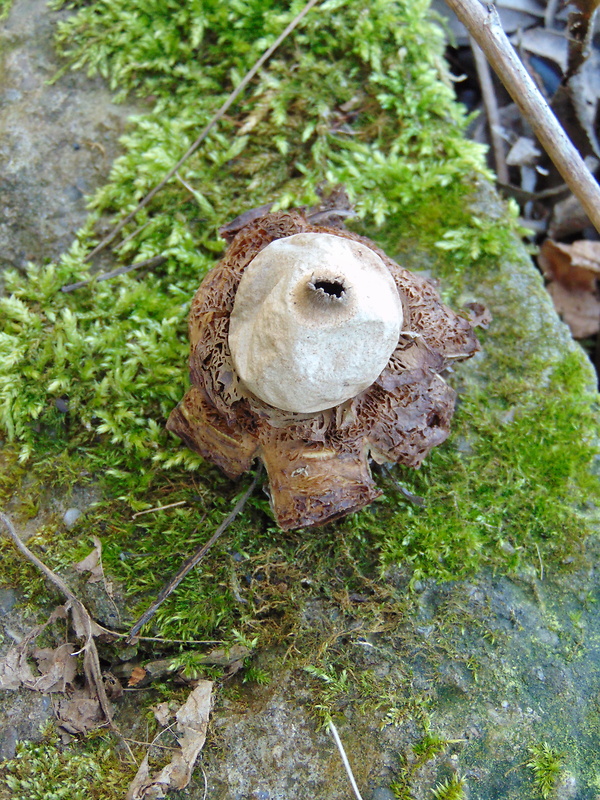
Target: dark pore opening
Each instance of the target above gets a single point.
(332, 288)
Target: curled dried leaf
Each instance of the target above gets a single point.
(80, 712)
(192, 725)
(573, 271)
(574, 265)
(579, 308)
(15, 670)
(57, 667)
(92, 563)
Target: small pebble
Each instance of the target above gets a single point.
(62, 404)
(70, 517)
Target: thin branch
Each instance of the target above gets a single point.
(153, 744)
(195, 559)
(46, 571)
(491, 110)
(347, 767)
(220, 113)
(483, 24)
(81, 620)
(205, 795)
(155, 261)
(167, 641)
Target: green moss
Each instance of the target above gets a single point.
(450, 789)
(5, 6)
(425, 751)
(366, 103)
(518, 487)
(546, 765)
(46, 771)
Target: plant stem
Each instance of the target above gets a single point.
(483, 24)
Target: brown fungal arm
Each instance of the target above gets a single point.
(204, 430)
(312, 485)
(410, 420)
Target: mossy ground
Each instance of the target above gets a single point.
(358, 95)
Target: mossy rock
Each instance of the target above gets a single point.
(445, 641)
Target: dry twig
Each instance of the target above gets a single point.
(158, 508)
(220, 113)
(491, 110)
(155, 261)
(83, 623)
(483, 24)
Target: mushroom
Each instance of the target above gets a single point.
(314, 351)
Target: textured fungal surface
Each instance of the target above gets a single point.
(318, 463)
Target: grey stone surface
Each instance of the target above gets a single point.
(8, 599)
(57, 141)
(383, 793)
(21, 715)
(535, 677)
(21, 712)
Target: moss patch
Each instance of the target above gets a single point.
(45, 771)
(87, 379)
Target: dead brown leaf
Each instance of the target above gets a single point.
(192, 724)
(80, 713)
(137, 676)
(545, 42)
(574, 265)
(58, 668)
(92, 563)
(85, 708)
(15, 671)
(162, 713)
(573, 271)
(579, 308)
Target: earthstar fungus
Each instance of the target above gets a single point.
(314, 351)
